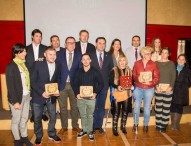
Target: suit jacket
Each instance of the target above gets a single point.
(90, 47)
(30, 54)
(106, 68)
(14, 83)
(76, 64)
(130, 53)
(39, 77)
(60, 49)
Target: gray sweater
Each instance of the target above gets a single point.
(167, 72)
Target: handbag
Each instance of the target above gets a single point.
(120, 95)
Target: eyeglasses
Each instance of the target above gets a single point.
(70, 43)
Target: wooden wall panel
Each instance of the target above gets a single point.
(169, 12)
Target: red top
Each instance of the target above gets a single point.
(151, 67)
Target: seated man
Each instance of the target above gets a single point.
(44, 72)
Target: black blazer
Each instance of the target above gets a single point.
(14, 83)
(30, 54)
(106, 68)
(39, 77)
(90, 48)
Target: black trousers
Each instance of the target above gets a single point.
(117, 108)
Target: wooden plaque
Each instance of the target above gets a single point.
(145, 76)
(51, 88)
(163, 87)
(86, 91)
(126, 81)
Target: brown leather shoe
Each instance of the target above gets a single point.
(61, 132)
(77, 129)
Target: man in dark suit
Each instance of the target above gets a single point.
(102, 61)
(35, 51)
(83, 46)
(44, 72)
(55, 43)
(70, 60)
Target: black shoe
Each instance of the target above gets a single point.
(26, 141)
(18, 143)
(81, 134)
(145, 129)
(123, 129)
(163, 130)
(135, 129)
(44, 117)
(91, 136)
(115, 132)
(32, 119)
(101, 131)
(55, 138)
(38, 141)
(158, 129)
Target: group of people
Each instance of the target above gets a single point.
(81, 64)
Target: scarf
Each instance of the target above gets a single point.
(21, 64)
(179, 68)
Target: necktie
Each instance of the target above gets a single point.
(136, 54)
(83, 49)
(70, 61)
(100, 61)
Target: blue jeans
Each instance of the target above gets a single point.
(99, 109)
(38, 111)
(139, 95)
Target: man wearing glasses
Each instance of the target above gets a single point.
(70, 61)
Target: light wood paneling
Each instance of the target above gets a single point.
(169, 12)
(11, 10)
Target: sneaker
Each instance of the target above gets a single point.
(38, 141)
(55, 138)
(44, 117)
(18, 143)
(91, 136)
(81, 134)
(26, 141)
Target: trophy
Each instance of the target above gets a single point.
(86, 91)
(145, 76)
(51, 88)
(163, 87)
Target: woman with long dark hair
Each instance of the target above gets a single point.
(116, 50)
(180, 96)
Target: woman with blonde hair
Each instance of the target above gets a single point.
(144, 90)
(121, 69)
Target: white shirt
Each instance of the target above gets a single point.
(67, 60)
(130, 53)
(83, 47)
(36, 51)
(23, 79)
(98, 56)
(51, 69)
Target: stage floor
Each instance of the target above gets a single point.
(152, 138)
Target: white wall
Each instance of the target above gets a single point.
(109, 18)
